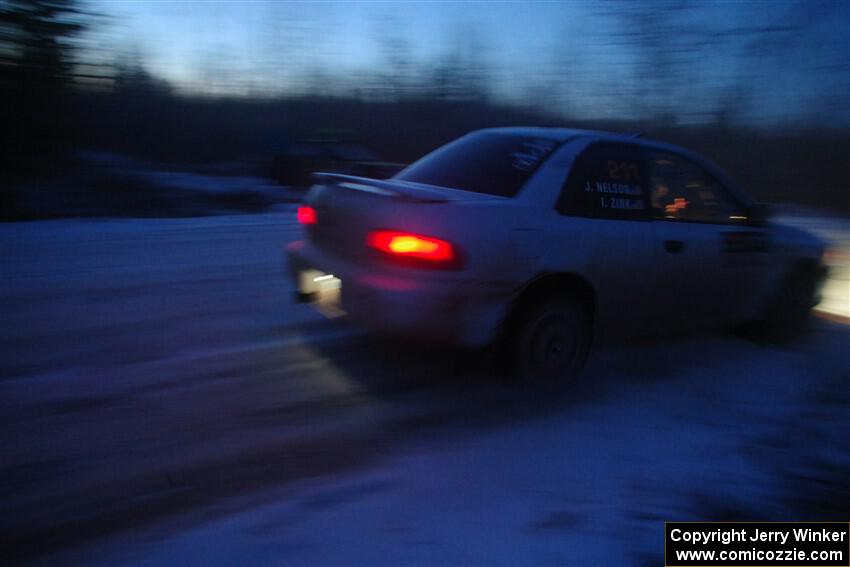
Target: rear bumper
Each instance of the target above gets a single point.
(407, 302)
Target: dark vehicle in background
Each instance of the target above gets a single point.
(295, 165)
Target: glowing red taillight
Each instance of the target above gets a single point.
(306, 215)
(408, 245)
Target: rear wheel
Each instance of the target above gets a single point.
(550, 343)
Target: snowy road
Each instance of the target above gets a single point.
(162, 402)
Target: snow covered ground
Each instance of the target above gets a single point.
(162, 403)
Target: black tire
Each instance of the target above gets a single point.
(550, 342)
(788, 315)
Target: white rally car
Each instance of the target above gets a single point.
(540, 240)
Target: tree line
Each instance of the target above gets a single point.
(55, 99)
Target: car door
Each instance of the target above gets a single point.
(708, 254)
(605, 225)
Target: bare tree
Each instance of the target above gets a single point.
(36, 66)
(396, 78)
(462, 71)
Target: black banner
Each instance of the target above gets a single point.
(758, 544)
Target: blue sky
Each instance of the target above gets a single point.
(170, 33)
(266, 45)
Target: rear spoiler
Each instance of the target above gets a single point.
(391, 188)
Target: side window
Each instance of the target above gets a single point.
(606, 181)
(681, 190)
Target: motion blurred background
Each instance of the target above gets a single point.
(162, 400)
(146, 108)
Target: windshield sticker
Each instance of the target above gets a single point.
(620, 187)
(531, 154)
(621, 203)
(623, 171)
(616, 188)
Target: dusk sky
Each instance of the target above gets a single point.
(228, 47)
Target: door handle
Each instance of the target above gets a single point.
(674, 246)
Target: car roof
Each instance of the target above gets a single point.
(561, 134)
(568, 134)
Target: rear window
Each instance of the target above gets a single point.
(491, 163)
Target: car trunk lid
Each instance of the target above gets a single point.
(404, 190)
(348, 207)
